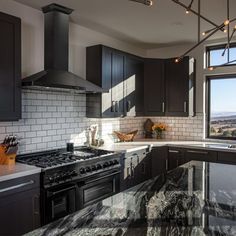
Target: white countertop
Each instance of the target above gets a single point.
(144, 143)
(8, 172)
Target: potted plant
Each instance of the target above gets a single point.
(158, 129)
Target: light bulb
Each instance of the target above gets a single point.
(176, 60)
(187, 11)
(211, 68)
(235, 27)
(203, 33)
(225, 30)
(226, 22)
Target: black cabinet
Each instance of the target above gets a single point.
(105, 68)
(176, 158)
(133, 86)
(19, 205)
(169, 88)
(200, 155)
(159, 160)
(136, 168)
(121, 74)
(154, 87)
(227, 157)
(178, 78)
(10, 68)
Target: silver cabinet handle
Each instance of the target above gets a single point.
(128, 105)
(197, 152)
(163, 107)
(185, 106)
(16, 186)
(113, 104)
(166, 164)
(117, 107)
(174, 151)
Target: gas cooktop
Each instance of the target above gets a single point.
(56, 158)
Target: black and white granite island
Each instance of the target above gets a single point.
(198, 198)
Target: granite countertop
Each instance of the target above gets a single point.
(8, 172)
(197, 198)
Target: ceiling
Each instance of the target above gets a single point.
(163, 24)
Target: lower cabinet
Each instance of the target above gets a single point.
(200, 155)
(19, 205)
(159, 160)
(176, 158)
(136, 168)
(227, 157)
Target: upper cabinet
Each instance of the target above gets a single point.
(179, 83)
(10, 68)
(169, 87)
(119, 73)
(137, 86)
(154, 87)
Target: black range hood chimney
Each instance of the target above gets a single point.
(56, 37)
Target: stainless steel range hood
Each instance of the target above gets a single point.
(55, 74)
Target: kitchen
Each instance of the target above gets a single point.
(43, 118)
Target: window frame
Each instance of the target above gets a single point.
(208, 104)
(216, 47)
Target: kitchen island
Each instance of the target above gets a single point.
(197, 198)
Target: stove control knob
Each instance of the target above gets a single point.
(73, 173)
(88, 169)
(99, 167)
(111, 163)
(82, 171)
(116, 162)
(51, 179)
(106, 164)
(93, 168)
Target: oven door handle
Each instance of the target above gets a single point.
(61, 191)
(103, 177)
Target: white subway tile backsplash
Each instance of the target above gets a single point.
(50, 119)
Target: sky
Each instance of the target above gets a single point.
(223, 95)
(223, 91)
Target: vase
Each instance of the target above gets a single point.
(158, 135)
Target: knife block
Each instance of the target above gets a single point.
(6, 159)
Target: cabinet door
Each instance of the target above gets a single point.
(175, 158)
(107, 109)
(177, 87)
(10, 68)
(154, 87)
(201, 155)
(117, 84)
(159, 160)
(134, 86)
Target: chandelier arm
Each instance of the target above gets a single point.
(196, 13)
(228, 44)
(203, 40)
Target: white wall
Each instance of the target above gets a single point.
(79, 38)
(201, 72)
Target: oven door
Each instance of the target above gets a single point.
(98, 188)
(60, 202)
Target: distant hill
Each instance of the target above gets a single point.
(232, 117)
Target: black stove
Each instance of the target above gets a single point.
(73, 180)
(57, 158)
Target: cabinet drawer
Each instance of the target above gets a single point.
(227, 157)
(201, 155)
(19, 184)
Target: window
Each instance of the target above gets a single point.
(215, 58)
(222, 107)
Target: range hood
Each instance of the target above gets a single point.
(55, 74)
